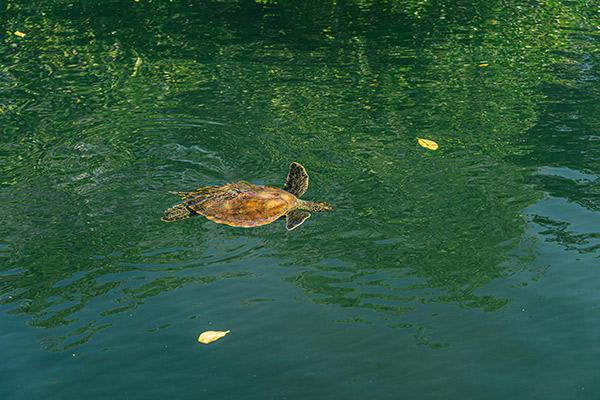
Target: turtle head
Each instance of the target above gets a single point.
(318, 206)
(325, 207)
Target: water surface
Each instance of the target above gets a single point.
(467, 273)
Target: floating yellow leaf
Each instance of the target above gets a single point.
(428, 144)
(136, 66)
(484, 65)
(210, 336)
(19, 34)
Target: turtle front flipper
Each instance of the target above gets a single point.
(297, 180)
(295, 218)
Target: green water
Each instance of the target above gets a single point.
(471, 272)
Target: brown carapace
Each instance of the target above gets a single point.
(246, 205)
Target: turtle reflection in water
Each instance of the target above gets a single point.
(247, 205)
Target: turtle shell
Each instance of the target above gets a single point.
(242, 204)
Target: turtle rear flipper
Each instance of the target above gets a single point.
(177, 212)
(181, 194)
(297, 180)
(198, 192)
(295, 218)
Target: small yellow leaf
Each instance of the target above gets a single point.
(19, 34)
(210, 336)
(428, 144)
(484, 65)
(136, 66)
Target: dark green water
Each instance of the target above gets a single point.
(472, 272)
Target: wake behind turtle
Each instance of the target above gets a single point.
(247, 205)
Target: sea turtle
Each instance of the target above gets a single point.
(247, 205)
